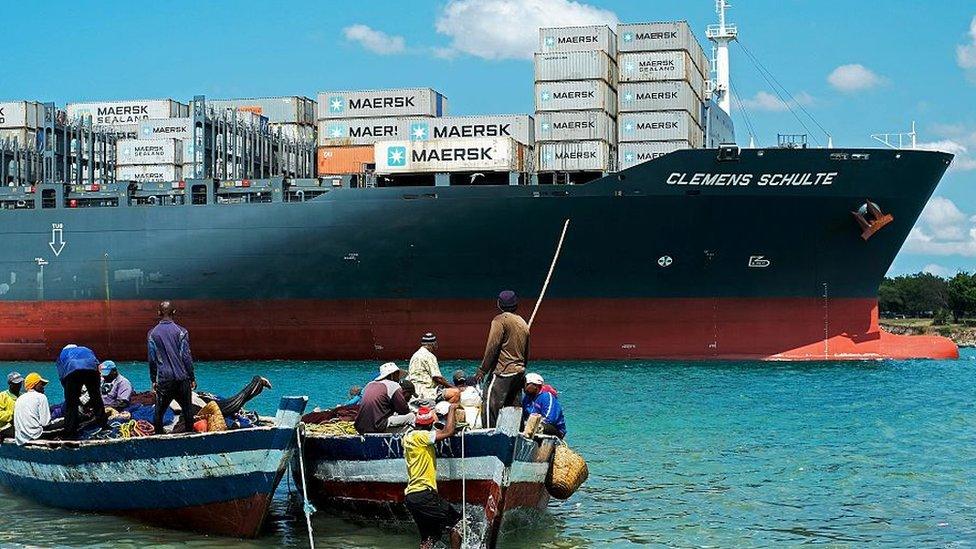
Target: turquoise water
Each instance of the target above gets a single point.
(681, 454)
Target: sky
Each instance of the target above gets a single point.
(858, 67)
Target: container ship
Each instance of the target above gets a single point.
(344, 228)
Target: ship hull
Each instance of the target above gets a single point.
(709, 328)
(685, 256)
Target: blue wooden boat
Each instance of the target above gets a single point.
(502, 473)
(215, 483)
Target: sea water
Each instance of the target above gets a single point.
(683, 454)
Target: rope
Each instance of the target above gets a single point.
(464, 497)
(306, 506)
(552, 266)
(333, 428)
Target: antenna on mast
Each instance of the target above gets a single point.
(721, 34)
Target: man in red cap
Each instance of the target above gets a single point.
(506, 355)
(433, 514)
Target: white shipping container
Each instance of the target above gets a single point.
(21, 114)
(299, 132)
(655, 66)
(149, 174)
(382, 103)
(720, 128)
(588, 38)
(659, 126)
(24, 137)
(576, 156)
(672, 95)
(632, 154)
(131, 152)
(581, 95)
(166, 128)
(289, 110)
(575, 126)
(662, 36)
(516, 126)
(575, 65)
(360, 131)
(123, 131)
(451, 155)
(113, 113)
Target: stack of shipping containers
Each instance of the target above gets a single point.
(662, 86)
(291, 117)
(484, 149)
(148, 157)
(351, 122)
(19, 121)
(576, 100)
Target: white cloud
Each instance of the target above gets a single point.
(955, 139)
(765, 101)
(509, 29)
(943, 229)
(966, 53)
(938, 270)
(854, 77)
(375, 41)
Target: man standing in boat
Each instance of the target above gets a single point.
(78, 370)
(506, 355)
(433, 514)
(171, 367)
(425, 374)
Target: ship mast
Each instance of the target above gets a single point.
(721, 34)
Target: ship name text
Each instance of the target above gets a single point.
(747, 179)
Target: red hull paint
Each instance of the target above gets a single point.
(240, 518)
(699, 328)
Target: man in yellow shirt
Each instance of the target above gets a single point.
(8, 398)
(432, 513)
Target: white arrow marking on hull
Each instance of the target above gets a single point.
(57, 238)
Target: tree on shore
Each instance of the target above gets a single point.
(928, 295)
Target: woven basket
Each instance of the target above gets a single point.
(215, 420)
(567, 473)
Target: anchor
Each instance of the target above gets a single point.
(871, 219)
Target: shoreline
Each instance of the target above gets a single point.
(961, 335)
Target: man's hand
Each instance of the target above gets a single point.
(193, 385)
(154, 387)
(478, 377)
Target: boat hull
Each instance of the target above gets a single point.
(215, 483)
(365, 477)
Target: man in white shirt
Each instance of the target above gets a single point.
(32, 413)
(425, 373)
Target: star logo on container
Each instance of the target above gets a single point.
(628, 97)
(547, 157)
(628, 36)
(550, 41)
(396, 156)
(628, 157)
(629, 67)
(337, 130)
(546, 96)
(419, 131)
(336, 104)
(545, 126)
(147, 130)
(629, 127)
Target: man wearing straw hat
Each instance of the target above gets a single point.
(384, 405)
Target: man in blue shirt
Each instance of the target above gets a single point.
(171, 367)
(77, 370)
(541, 399)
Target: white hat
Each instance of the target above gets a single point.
(534, 379)
(386, 370)
(442, 408)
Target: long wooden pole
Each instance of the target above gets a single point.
(552, 267)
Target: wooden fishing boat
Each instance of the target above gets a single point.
(502, 473)
(215, 483)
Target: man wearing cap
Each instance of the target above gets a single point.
(543, 402)
(425, 373)
(432, 513)
(506, 355)
(384, 405)
(116, 388)
(32, 413)
(78, 370)
(8, 399)
(171, 367)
